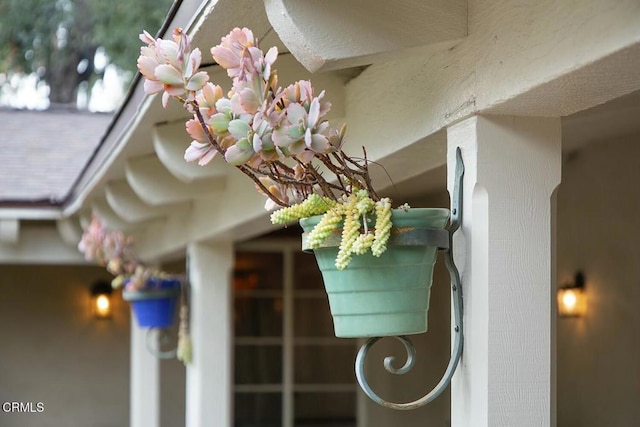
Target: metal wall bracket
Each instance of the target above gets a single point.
(456, 290)
(155, 342)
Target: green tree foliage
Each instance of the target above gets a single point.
(57, 39)
(120, 22)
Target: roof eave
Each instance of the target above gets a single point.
(30, 210)
(182, 13)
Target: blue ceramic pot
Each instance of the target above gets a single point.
(155, 305)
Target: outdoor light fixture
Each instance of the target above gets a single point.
(101, 299)
(572, 300)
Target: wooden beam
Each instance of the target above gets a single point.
(70, 230)
(128, 206)
(507, 66)
(9, 231)
(170, 141)
(109, 217)
(505, 251)
(325, 35)
(155, 185)
(40, 243)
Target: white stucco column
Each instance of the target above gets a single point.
(512, 167)
(145, 381)
(209, 396)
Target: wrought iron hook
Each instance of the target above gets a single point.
(456, 290)
(162, 338)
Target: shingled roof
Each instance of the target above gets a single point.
(42, 153)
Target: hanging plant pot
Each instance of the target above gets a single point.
(386, 295)
(155, 305)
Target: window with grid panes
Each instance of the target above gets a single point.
(290, 370)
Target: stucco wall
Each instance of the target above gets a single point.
(598, 231)
(53, 351)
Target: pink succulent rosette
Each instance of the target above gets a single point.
(271, 133)
(115, 251)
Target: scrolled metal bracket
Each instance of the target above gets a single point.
(162, 339)
(456, 290)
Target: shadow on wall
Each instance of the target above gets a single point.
(598, 230)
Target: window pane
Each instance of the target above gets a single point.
(258, 317)
(258, 364)
(258, 410)
(325, 409)
(258, 271)
(324, 364)
(312, 318)
(306, 272)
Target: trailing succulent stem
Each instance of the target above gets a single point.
(352, 216)
(312, 205)
(383, 227)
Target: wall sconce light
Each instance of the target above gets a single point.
(101, 299)
(572, 299)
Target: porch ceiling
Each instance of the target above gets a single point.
(147, 180)
(396, 83)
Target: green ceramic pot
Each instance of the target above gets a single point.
(386, 295)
